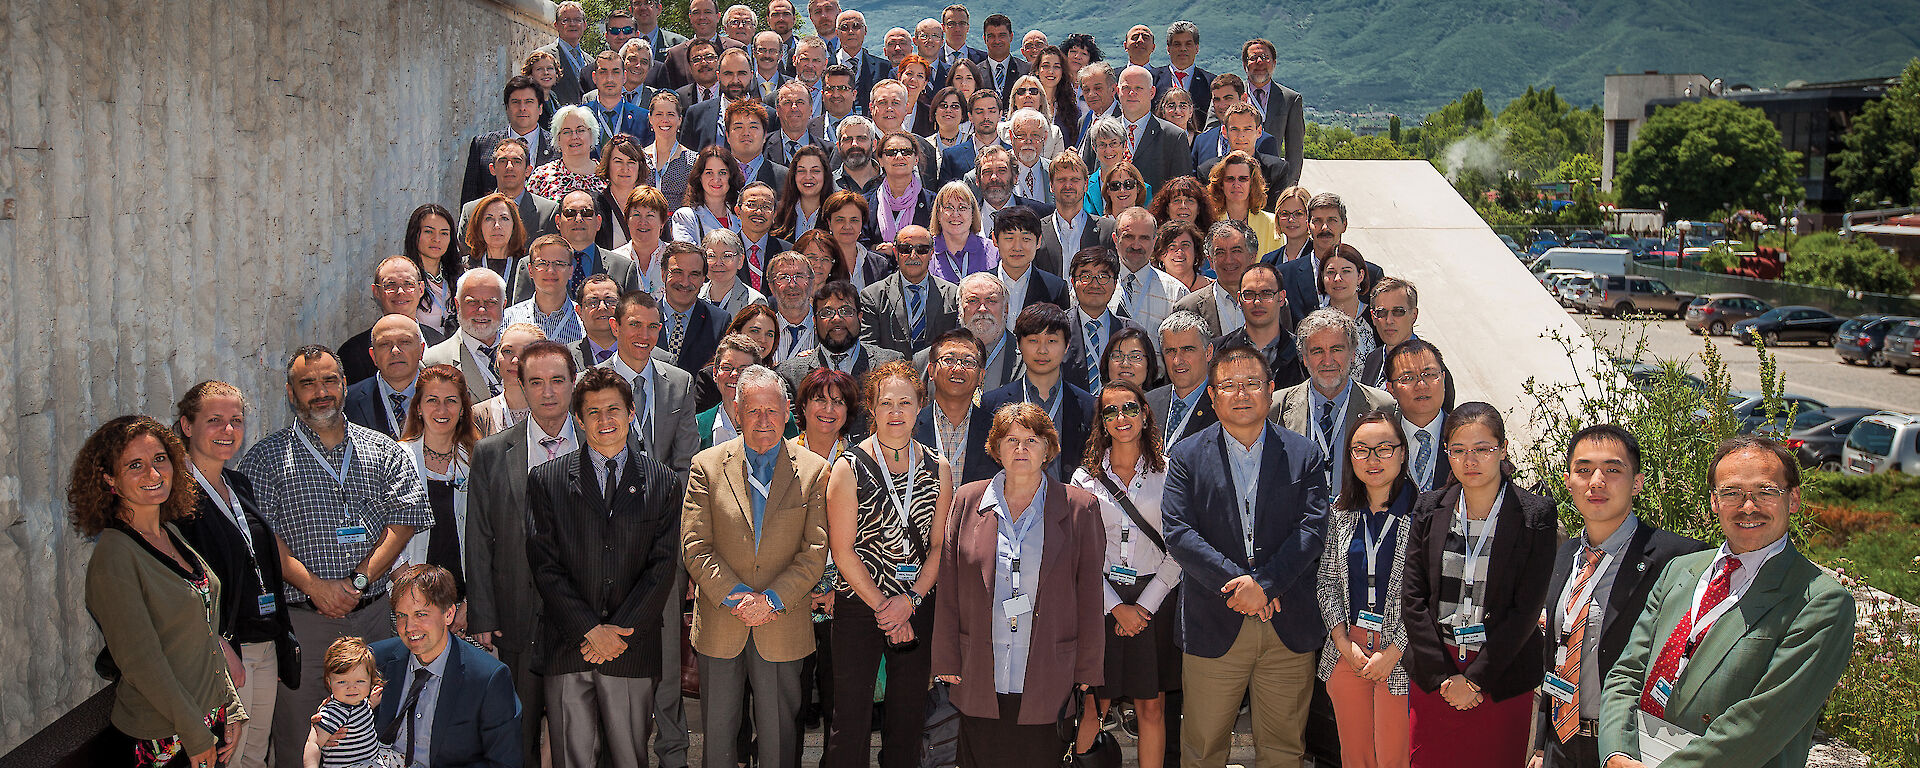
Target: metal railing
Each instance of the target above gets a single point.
(1780, 292)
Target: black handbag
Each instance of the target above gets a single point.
(1105, 752)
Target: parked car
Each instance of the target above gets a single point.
(1883, 442)
(1507, 240)
(1812, 325)
(1818, 436)
(1542, 242)
(1647, 376)
(1612, 295)
(1624, 242)
(1571, 289)
(1902, 346)
(1747, 406)
(1715, 313)
(1609, 260)
(1863, 339)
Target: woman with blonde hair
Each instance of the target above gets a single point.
(1238, 191)
(1290, 222)
(958, 248)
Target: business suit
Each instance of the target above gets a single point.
(675, 70)
(706, 323)
(772, 173)
(867, 70)
(1041, 186)
(356, 353)
(1284, 117)
(1227, 652)
(1042, 286)
(784, 555)
(602, 560)
(573, 81)
(476, 719)
(1759, 676)
(1052, 256)
(1293, 409)
(624, 271)
(1000, 368)
(1273, 172)
(776, 148)
(1040, 209)
(1300, 283)
(536, 215)
(1014, 67)
(1160, 400)
(1639, 565)
(883, 305)
(957, 162)
(672, 441)
(368, 407)
(1207, 145)
(661, 39)
(477, 180)
(1162, 152)
(1068, 626)
(1074, 366)
(454, 352)
(1204, 303)
(501, 596)
(701, 127)
(1074, 424)
(872, 356)
(1199, 85)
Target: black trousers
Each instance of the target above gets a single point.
(1578, 752)
(858, 645)
(1002, 742)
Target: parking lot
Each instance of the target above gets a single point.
(1813, 371)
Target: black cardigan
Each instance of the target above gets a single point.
(211, 533)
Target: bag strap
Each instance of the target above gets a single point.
(1126, 505)
(872, 466)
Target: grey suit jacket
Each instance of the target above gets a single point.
(624, 271)
(674, 440)
(1293, 409)
(776, 149)
(500, 591)
(1201, 301)
(568, 88)
(1286, 120)
(536, 214)
(1160, 400)
(1163, 152)
(883, 306)
(1054, 257)
(454, 352)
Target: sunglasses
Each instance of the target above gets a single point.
(898, 152)
(577, 213)
(914, 248)
(1388, 311)
(626, 30)
(1123, 185)
(1121, 411)
(1027, 91)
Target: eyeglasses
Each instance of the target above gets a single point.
(1248, 386)
(915, 248)
(1134, 358)
(626, 30)
(1388, 311)
(577, 213)
(603, 303)
(550, 264)
(1094, 278)
(1423, 377)
(1123, 185)
(1027, 91)
(703, 58)
(792, 278)
(837, 88)
(847, 313)
(849, 26)
(1259, 58)
(1123, 410)
(1258, 296)
(476, 302)
(756, 206)
(962, 362)
(955, 209)
(1764, 496)
(1482, 453)
(897, 152)
(1381, 451)
(399, 286)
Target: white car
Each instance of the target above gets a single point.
(1883, 442)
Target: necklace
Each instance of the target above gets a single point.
(896, 451)
(436, 455)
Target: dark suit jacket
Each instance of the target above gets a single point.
(773, 173)
(1200, 86)
(478, 180)
(661, 39)
(1042, 286)
(1003, 369)
(572, 82)
(1163, 152)
(476, 721)
(1074, 425)
(1016, 66)
(1053, 257)
(872, 69)
(365, 407)
(500, 593)
(598, 563)
(536, 214)
(706, 323)
(1287, 119)
(1068, 645)
(776, 149)
(215, 536)
(1160, 400)
(1272, 169)
(1200, 514)
(795, 368)
(883, 307)
(1040, 209)
(675, 70)
(1206, 146)
(877, 207)
(1074, 367)
(1640, 565)
(356, 353)
(1297, 279)
(774, 247)
(957, 161)
(701, 127)
(1510, 663)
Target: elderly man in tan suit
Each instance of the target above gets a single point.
(753, 533)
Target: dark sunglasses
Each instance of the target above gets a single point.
(1123, 185)
(577, 213)
(626, 30)
(914, 248)
(1123, 410)
(898, 152)
(1027, 91)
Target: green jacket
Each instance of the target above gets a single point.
(1760, 676)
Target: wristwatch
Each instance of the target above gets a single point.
(915, 597)
(359, 581)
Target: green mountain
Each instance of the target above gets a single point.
(1411, 56)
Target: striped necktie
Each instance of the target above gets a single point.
(1566, 714)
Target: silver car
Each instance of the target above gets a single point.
(1883, 442)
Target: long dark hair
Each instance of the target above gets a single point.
(1100, 443)
(451, 262)
(1485, 415)
(1146, 343)
(787, 217)
(1353, 493)
(1066, 110)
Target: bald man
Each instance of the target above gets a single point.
(380, 402)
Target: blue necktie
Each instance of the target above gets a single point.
(1093, 356)
(1175, 413)
(1326, 425)
(794, 346)
(579, 272)
(916, 311)
(1422, 476)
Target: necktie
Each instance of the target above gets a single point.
(1422, 466)
(642, 418)
(916, 311)
(794, 345)
(1667, 666)
(493, 364)
(1093, 356)
(679, 334)
(1260, 99)
(1181, 77)
(1175, 413)
(999, 75)
(837, 359)
(613, 480)
(579, 273)
(792, 147)
(1326, 424)
(397, 415)
(552, 444)
(754, 270)
(601, 355)
(1131, 130)
(1031, 191)
(1133, 293)
(1566, 714)
(405, 713)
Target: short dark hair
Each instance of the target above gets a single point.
(1265, 267)
(983, 93)
(997, 20)
(632, 299)
(957, 336)
(1042, 317)
(548, 347)
(1415, 346)
(517, 83)
(1100, 257)
(1018, 218)
(1742, 443)
(1352, 495)
(683, 249)
(596, 379)
(697, 43)
(1607, 433)
(836, 70)
(310, 353)
(838, 289)
(1235, 352)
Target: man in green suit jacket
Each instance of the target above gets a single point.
(1771, 637)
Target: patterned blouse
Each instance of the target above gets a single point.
(553, 181)
(879, 541)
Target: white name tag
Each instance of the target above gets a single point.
(266, 604)
(1472, 634)
(1662, 690)
(906, 573)
(1018, 605)
(1558, 687)
(1123, 575)
(351, 534)
(1372, 622)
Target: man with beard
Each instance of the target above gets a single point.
(1070, 228)
(678, 68)
(983, 312)
(809, 69)
(1327, 223)
(781, 21)
(837, 344)
(822, 14)
(345, 501)
(791, 277)
(706, 121)
(703, 78)
(691, 326)
(1144, 293)
(994, 180)
(898, 43)
(983, 110)
(1325, 406)
(856, 144)
(837, 101)
(598, 298)
(955, 376)
(480, 299)
(906, 310)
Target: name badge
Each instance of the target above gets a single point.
(1372, 622)
(266, 604)
(1559, 688)
(1472, 634)
(351, 534)
(1662, 690)
(905, 573)
(1123, 575)
(1018, 605)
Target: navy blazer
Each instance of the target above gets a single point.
(1076, 419)
(364, 407)
(1200, 87)
(873, 69)
(1201, 518)
(700, 128)
(706, 323)
(476, 721)
(1074, 367)
(1043, 286)
(922, 210)
(957, 161)
(1206, 146)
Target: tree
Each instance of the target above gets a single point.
(673, 16)
(1393, 129)
(1579, 168)
(1702, 156)
(1825, 259)
(1883, 146)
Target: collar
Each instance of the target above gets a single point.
(438, 667)
(627, 372)
(1192, 399)
(474, 344)
(387, 391)
(532, 138)
(1315, 399)
(1021, 280)
(1617, 543)
(762, 462)
(1052, 395)
(1074, 222)
(852, 355)
(995, 498)
(925, 282)
(535, 434)
(1080, 315)
(1145, 272)
(1237, 451)
(619, 461)
(1751, 562)
(1432, 428)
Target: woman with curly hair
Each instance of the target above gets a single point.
(1183, 199)
(154, 598)
(1238, 190)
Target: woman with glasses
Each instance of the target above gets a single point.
(1360, 582)
(510, 406)
(950, 123)
(1341, 282)
(1029, 94)
(1108, 136)
(715, 186)
(550, 307)
(1290, 223)
(958, 248)
(900, 199)
(809, 181)
(671, 163)
(429, 245)
(495, 237)
(724, 286)
(1130, 358)
(1237, 191)
(1177, 251)
(623, 165)
(647, 219)
(1176, 106)
(759, 324)
(1125, 471)
(1020, 625)
(577, 132)
(1123, 187)
(1183, 199)
(886, 509)
(1478, 556)
(732, 355)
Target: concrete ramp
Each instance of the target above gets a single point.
(1478, 303)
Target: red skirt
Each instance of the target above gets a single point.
(1492, 734)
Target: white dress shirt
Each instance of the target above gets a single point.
(486, 371)
(1137, 551)
(537, 453)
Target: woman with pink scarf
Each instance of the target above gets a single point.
(900, 199)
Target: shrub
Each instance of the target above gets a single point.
(1875, 705)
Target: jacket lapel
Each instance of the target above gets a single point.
(516, 455)
(1056, 548)
(584, 482)
(450, 679)
(1437, 538)
(1562, 570)
(1627, 576)
(1761, 598)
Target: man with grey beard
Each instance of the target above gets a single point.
(983, 311)
(345, 501)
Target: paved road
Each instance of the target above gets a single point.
(1812, 371)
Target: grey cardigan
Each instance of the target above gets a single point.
(1332, 591)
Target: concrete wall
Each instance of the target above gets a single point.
(1624, 101)
(189, 190)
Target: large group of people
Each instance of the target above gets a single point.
(958, 394)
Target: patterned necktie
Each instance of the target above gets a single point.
(999, 75)
(837, 359)
(754, 270)
(1175, 413)
(793, 345)
(613, 480)
(1422, 461)
(1667, 666)
(1031, 184)
(579, 273)
(679, 334)
(916, 311)
(1132, 287)
(552, 444)
(397, 415)
(1093, 356)
(493, 364)
(601, 355)
(1131, 130)
(1566, 714)
(1326, 423)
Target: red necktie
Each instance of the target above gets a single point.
(753, 266)
(1667, 666)
(725, 222)
(1182, 77)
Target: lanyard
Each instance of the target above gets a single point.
(231, 506)
(1702, 623)
(1126, 520)
(902, 499)
(346, 459)
(1570, 609)
(1478, 544)
(1015, 537)
(1372, 546)
(765, 495)
(953, 267)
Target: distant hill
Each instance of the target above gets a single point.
(1412, 56)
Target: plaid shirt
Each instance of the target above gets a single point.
(304, 504)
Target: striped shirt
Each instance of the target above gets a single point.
(361, 741)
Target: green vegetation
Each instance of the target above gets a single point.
(1828, 260)
(673, 16)
(1700, 157)
(1882, 160)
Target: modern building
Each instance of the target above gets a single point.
(1624, 110)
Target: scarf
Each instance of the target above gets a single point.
(899, 209)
